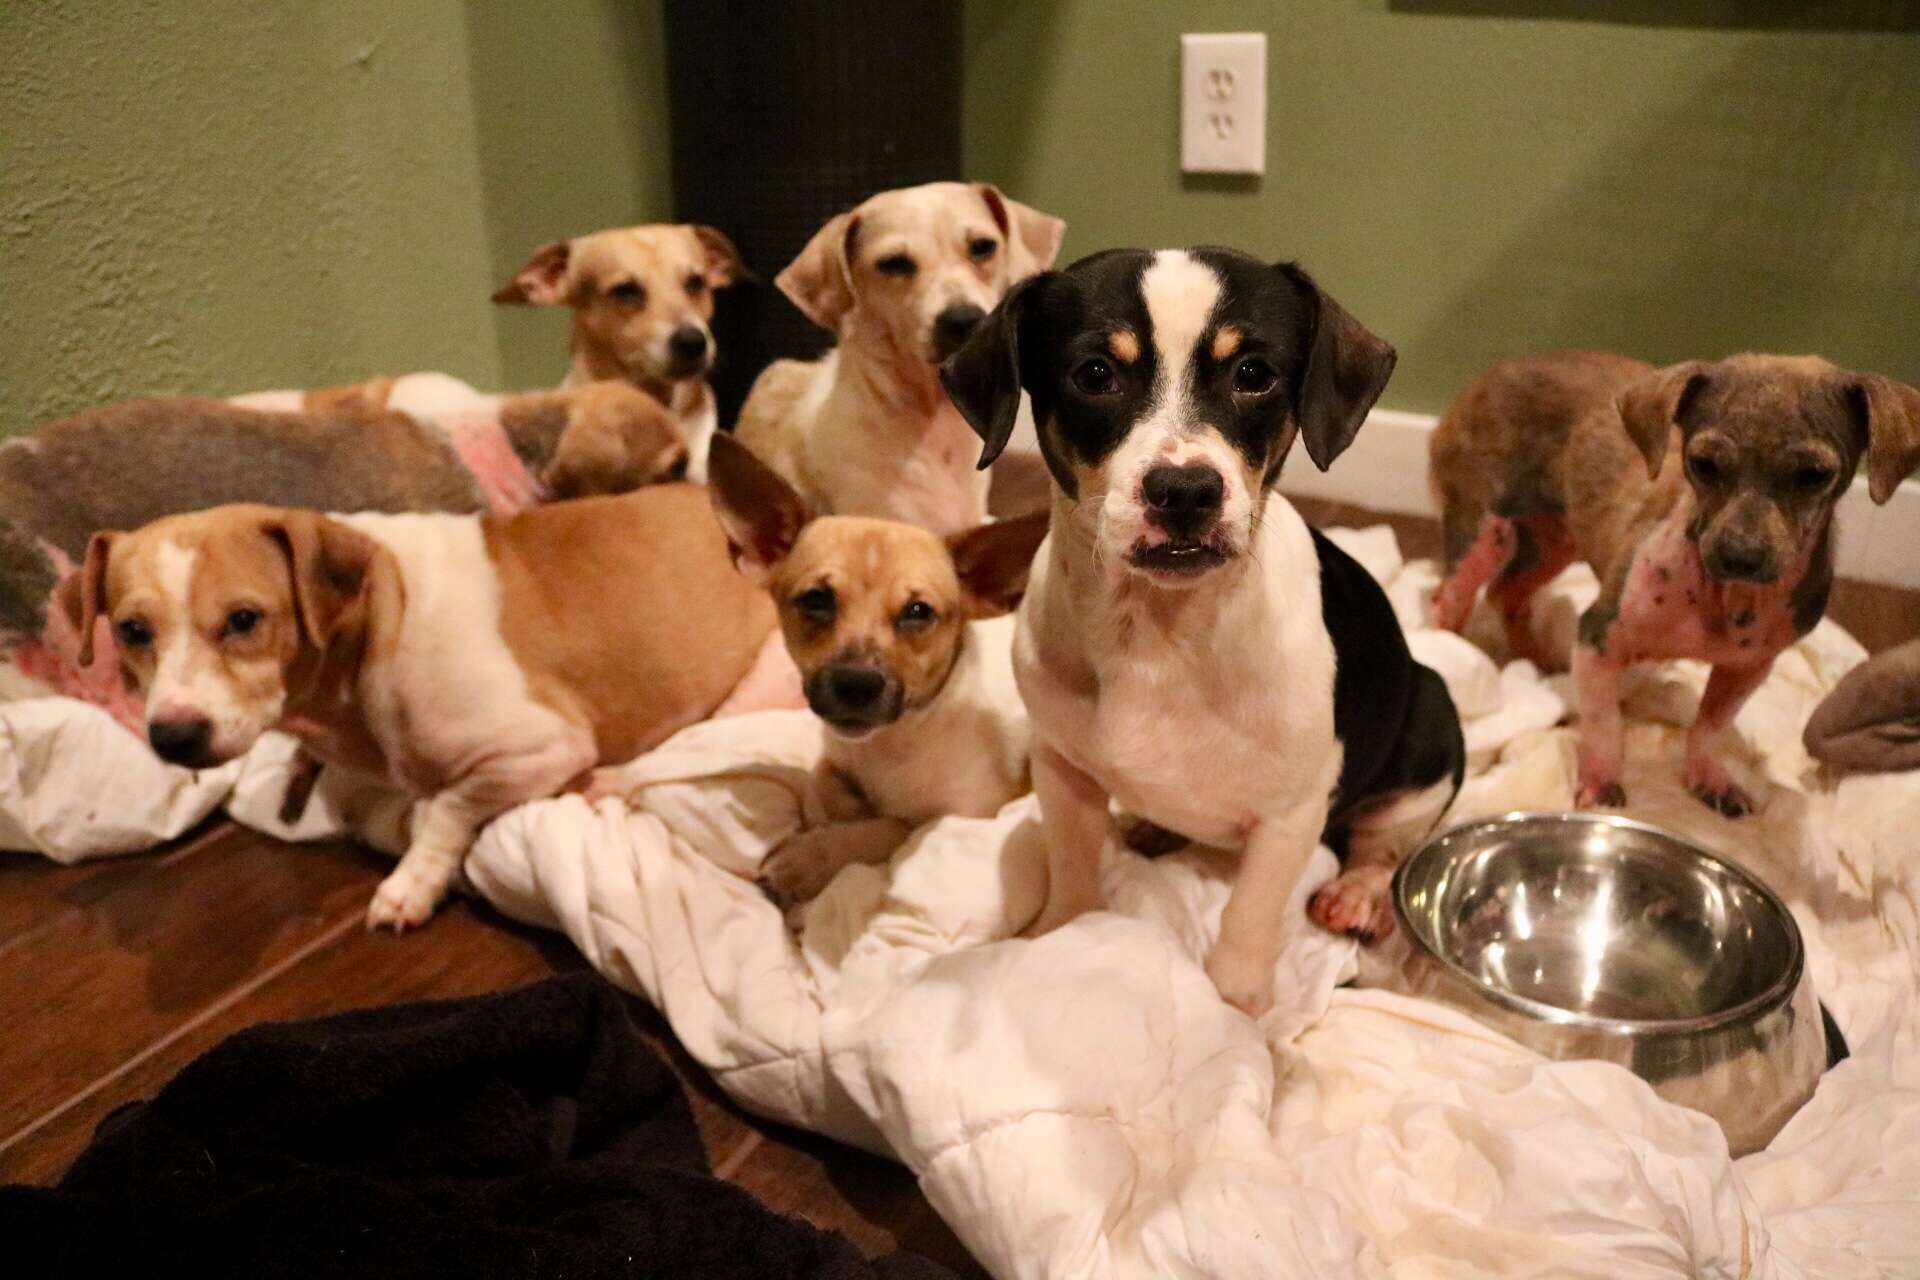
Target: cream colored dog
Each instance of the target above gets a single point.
(476, 662)
(642, 298)
(901, 280)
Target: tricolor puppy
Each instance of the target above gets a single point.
(1701, 494)
(884, 622)
(901, 281)
(1187, 645)
(642, 300)
(477, 662)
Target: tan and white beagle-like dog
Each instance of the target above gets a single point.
(904, 650)
(901, 280)
(477, 662)
(642, 300)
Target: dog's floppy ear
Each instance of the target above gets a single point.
(1889, 413)
(1346, 369)
(820, 280)
(82, 596)
(1033, 237)
(724, 265)
(760, 513)
(331, 567)
(993, 561)
(543, 281)
(982, 378)
(1653, 406)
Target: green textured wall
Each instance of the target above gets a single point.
(235, 194)
(1479, 177)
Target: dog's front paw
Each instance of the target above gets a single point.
(1152, 840)
(800, 869)
(600, 784)
(1243, 978)
(403, 901)
(1714, 787)
(1054, 914)
(1355, 903)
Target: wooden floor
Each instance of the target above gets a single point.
(113, 975)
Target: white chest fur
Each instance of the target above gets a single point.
(965, 753)
(1205, 710)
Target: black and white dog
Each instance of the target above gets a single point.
(1187, 645)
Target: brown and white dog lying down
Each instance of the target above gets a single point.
(1702, 495)
(476, 662)
(923, 719)
(124, 465)
(642, 300)
(901, 281)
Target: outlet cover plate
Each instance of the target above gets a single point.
(1223, 103)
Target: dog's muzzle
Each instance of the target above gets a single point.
(854, 698)
(187, 742)
(1183, 505)
(953, 327)
(687, 348)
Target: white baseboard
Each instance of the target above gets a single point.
(1386, 470)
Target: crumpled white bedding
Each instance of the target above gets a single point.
(1085, 1105)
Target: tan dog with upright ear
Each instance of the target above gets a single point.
(1701, 494)
(474, 661)
(642, 299)
(884, 621)
(901, 281)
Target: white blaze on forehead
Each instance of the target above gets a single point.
(1180, 294)
(173, 661)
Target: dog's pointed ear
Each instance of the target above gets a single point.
(330, 565)
(820, 280)
(993, 561)
(1653, 406)
(1033, 237)
(82, 596)
(542, 282)
(724, 264)
(1888, 413)
(982, 378)
(759, 511)
(1347, 367)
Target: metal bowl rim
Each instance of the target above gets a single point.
(1777, 994)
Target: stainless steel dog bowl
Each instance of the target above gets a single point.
(1587, 935)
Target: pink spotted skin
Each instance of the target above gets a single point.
(1671, 608)
(53, 659)
(482, 444)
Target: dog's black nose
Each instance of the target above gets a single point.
(687, 346)
(1739, 563)
(953, 326)
(185, 742)
(1184, 500)
(851, 694)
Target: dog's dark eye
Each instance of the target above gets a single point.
(1812, 479)
(696, 285)
(917, 616)
(628, 291)
(133, 634)
(816, 604)
(895, 264)
(1095, 378)
(242, 622)
(981, 248)
(1704, 470)
(1254, 377)
(678, 471)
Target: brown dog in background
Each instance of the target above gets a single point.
(1702, 495)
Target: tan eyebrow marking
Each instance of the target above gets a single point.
(1124, 345)
(1226, 341)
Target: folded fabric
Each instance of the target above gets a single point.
(1871, 720)
(530, 1133)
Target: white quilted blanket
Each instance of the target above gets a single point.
(1084, 1105)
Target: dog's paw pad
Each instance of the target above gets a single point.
(1152, 840)
(1356, 905)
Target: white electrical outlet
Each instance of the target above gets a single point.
(1223, 103)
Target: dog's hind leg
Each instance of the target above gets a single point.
(1472, 566)
(1541, 550)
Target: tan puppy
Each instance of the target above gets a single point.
(1701, 494)
(883, 620)
(534, 446)
(477, 662)
(642, 299)
(901, 281)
